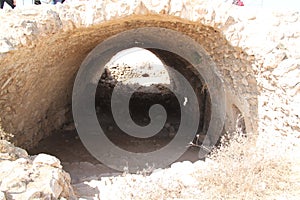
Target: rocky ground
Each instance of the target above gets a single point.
(239, 169)
(84, 168)
(31, 177)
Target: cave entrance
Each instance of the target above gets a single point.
(139, 68)
(162, 58)
(145, 70)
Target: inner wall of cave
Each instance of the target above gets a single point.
(140, 69)
(36, 100)
(153, 82)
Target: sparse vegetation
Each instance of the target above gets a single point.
(241, 168)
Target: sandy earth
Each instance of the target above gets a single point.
(84, 168)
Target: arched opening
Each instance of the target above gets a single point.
(146, 70)
(138, 68)
(36, 94)
(152, 79)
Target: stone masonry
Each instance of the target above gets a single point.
(42, 47)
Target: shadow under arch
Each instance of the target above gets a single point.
(151, 37)
(41, 106)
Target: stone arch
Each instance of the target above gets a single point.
(37, 95)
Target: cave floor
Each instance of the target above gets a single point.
(76, 160)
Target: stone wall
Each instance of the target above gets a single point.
(256, 53)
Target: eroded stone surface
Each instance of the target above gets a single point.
(25, 177)
(246, 45)
(9, 152)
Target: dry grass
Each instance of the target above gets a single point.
(244, 169)
(241, 168)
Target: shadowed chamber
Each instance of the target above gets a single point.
(186, 57)
(152, 80)
(144, 69)
(46, 95)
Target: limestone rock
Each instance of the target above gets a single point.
(273, 59)
(39, 177)
(5, 45)
(45, 159)
(9, 152)
(189, 181)
(2, 196)
(286, 66)
(185, 167)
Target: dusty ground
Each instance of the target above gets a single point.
(82, 166)
(240, 169)
(66, 146)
